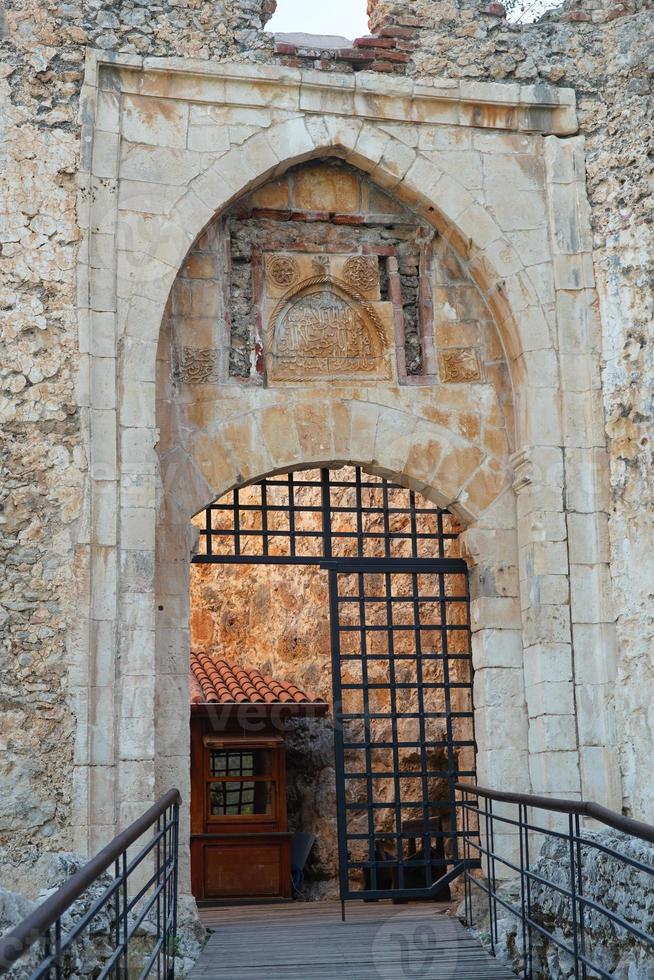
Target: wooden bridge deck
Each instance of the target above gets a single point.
(309, 942)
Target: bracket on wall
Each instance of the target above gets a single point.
(523, 469)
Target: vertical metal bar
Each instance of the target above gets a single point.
(451, 767)
(414, 524)
(426, 829)
(171, 898)
(161, 932)
(491, 897)
(471, 675)
(441, 533)
(580, 893)
(467, 885)
(573, 895)
(492, 850)
(365, 681)
(47, 948)
(237, 522)
(341, 815)
(175, 879)
(530, 954)
(58, 951)
(209, 529)
(387, 520)
(165, 893)
(388, 583)
(117, 909)
(359, 508)
(264, 518)
(291, 515)
(325, 493)
(125, 916)
(522, 820)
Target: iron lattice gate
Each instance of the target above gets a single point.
(401, 661)
(403, 723)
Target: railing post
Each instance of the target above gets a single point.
(124, 916)
(58, 952)
(529, 966)
(47, 948)
(494, 879)
(523, 890)
(573, 894)
(580, 893)
(467, 885)
(491, 897)
(166, 895)
(161, 932)
(175, 878)
(116, 904)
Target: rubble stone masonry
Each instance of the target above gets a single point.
(60, 444)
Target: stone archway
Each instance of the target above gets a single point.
(538, 288)
(489, 514)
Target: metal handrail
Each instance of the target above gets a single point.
(577, 940)
(579, 808)
(37, 925)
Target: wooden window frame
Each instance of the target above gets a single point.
(238, 744)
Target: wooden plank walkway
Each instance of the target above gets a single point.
(308, 941)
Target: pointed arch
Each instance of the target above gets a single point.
(416, 180)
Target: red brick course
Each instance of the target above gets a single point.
(388, 51)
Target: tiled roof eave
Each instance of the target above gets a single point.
(221, 683)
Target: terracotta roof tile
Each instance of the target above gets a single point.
(219, 682)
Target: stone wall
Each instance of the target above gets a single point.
(90, 952)
(601, 49)
(607, 65)
(608, 881)
(45, 456)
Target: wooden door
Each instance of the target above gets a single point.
(240, 845)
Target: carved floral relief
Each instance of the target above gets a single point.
(361, 271)
(459, 365)
(196, 365)
(282, 270)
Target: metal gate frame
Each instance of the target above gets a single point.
(452, 864)
(232, 534)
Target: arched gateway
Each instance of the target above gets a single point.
(345, 283)
(396, 596)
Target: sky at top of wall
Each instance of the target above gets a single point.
(347, 18)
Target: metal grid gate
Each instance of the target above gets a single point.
(401, 661)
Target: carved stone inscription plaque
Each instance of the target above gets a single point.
(323, 326)
(321, 334)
